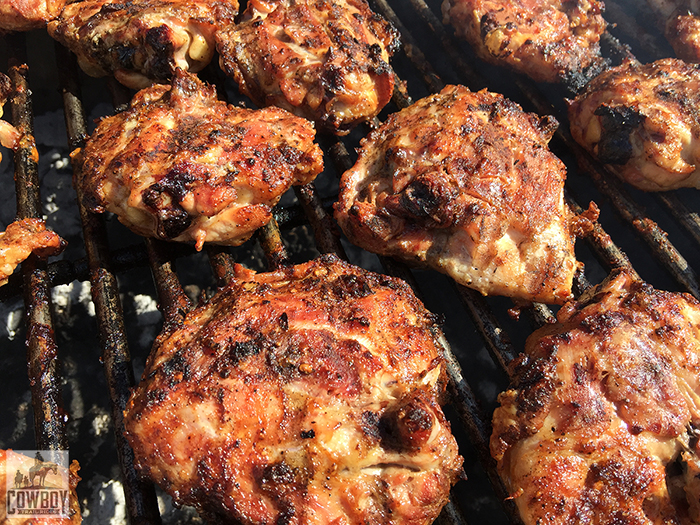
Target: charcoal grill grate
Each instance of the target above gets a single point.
(489, 316)
(49, 416)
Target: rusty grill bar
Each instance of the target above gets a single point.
(489, 318)
(42, 356)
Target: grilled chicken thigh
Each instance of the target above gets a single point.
(142, 41)
(549, 40)
(20, 239)
(181, 165)
(23, 15)
(642, 121)
(306, 395)
(463, 182)
(601, 423)
(682, 26)
(326, 60)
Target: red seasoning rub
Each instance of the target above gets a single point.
(181, 165)
(463, 182)
(142, 41)
(326, 60)
(601, 423)
(550, 41)
(307, 395)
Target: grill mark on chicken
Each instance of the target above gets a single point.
(181, 165)
(271, 405)
(463, 182)
(142, 41)
(551, 41)
(642, 120)
(325, 60)
(602, 407)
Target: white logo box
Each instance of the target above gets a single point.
(36, 485)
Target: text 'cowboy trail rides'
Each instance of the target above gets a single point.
(36, 484)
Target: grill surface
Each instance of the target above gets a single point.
(86, 358)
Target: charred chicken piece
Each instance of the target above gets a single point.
(601, 423)
(9, 135)
(463, 182)
(181, 165)
(23, 15)
(549, 40)
(306, 395)
(24, 465)
(142, 41)
(22, 238)
(682, 26)
(325, 60)
(641, 120)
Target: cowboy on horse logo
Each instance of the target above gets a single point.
(39, 486)
(36, 476)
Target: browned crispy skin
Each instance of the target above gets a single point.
(74, 505)
(549, 40)
(602, 404)
(142, 41)
(23, 15)
(681, 24)
(20, 239)
(181, 165)
(642, 120)
(326, 60)
(464, 182)
(309, 395)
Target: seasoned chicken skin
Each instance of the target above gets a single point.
(642, 121)
(21, 239)
(463, 182)
(682, 26)
(549, 40)
(23, 15)
(601, 423)
(142, 41)
(26, 463)
(309, 395)
(325, 60)
(181, 165)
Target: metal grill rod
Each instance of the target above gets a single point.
(627, 25)
(142, 507)
(685, 216)
(50, 419)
